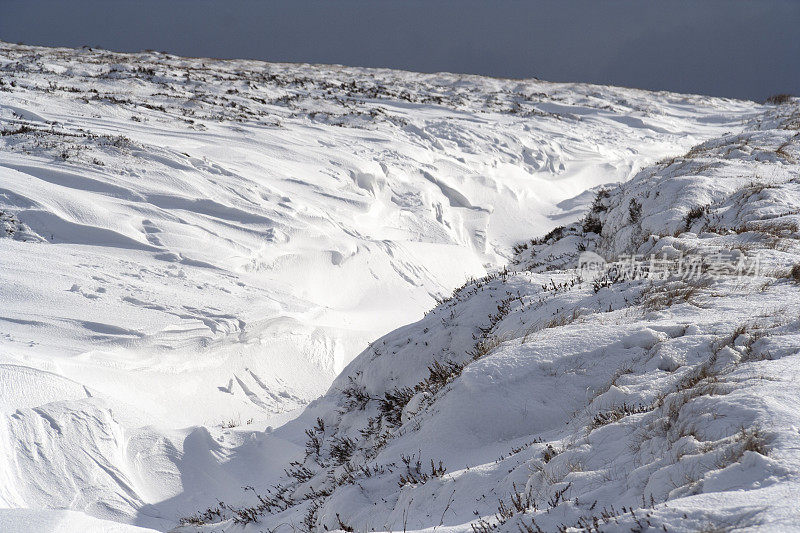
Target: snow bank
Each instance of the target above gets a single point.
(193, 249)
(539, 399)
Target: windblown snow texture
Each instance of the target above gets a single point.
(196, 248)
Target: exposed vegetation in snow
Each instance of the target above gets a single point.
(540, 399)
(193, 249)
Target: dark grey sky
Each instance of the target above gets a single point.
(738, 48)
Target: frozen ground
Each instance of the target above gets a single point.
(195, 249)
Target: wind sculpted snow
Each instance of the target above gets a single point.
(656, 393)
(195, 248)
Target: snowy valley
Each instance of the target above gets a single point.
(243, 296)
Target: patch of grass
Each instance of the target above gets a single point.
(440, 374)
(485, 346)
(665, 295)
(299, 472)
(747, 440)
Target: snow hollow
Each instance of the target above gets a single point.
(193, 250)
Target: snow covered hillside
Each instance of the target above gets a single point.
(193, 249)
(660, 392)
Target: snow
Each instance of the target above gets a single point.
(645, 402)
(60, 522)
(198, 248)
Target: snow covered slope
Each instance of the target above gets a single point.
(657, 393)
(195, 248)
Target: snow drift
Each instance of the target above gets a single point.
(196, 248)
(650, 396)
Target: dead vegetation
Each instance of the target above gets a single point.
(661, 296)
(669, 417)
(414, 474)
(794, 273)
(617, 413)
(779, 99)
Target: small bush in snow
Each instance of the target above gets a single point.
(314, 443)
(635, 210)
(355, 394)
(484, 346)
(440, 374)
(592, 224)
(752, 440)
(694, 213)
(550, 452)
(779, 99)
(342, 449)
(554, 234)
(392, 404)
(299, 472)
(795, 273)
(618, 413)
(415, 475)
(342, 525)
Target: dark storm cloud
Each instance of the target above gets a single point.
(743, 49)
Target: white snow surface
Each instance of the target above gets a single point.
(538, 399)
(194, 249)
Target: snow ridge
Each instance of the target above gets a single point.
(193, 249)
(539, 399)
